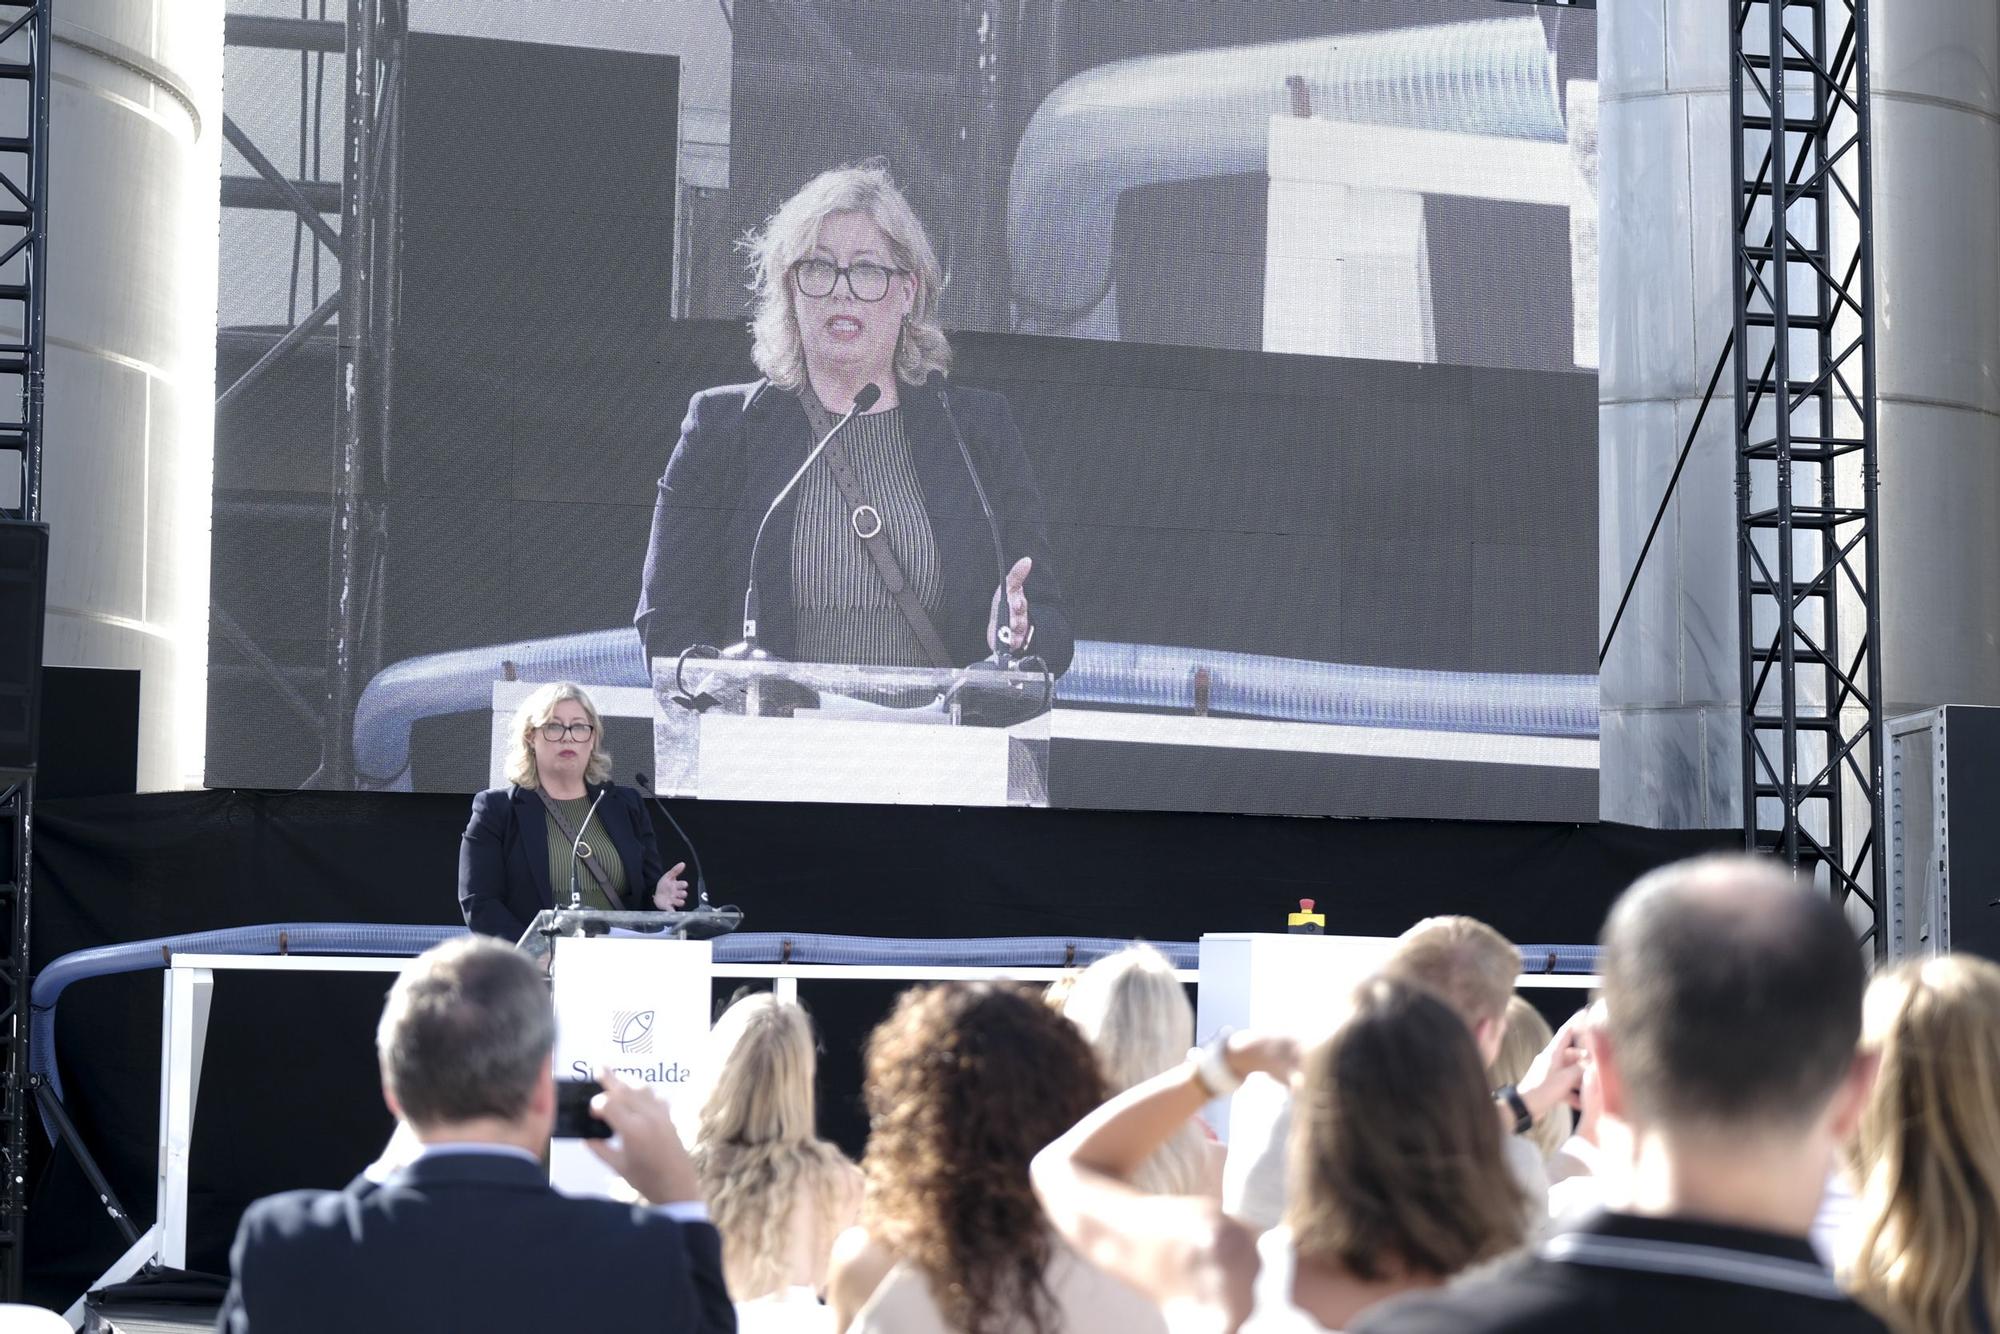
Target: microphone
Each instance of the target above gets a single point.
(748, 648)
(694, 858)
(576, 893)
(1001, 635)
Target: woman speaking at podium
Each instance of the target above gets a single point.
(559, 824)
(884, 552)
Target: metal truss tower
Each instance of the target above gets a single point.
(1810, 629)
(24, 163)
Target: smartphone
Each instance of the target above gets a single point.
(573, 1116)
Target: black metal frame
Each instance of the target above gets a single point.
(362, 310)
(25, 34)
(1810, 628)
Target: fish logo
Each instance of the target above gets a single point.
(632, 1030)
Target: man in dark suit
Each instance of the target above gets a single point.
(469, 1235)
(1729, 1074)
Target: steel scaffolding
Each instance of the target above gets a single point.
(1806, 438)
(24, 163)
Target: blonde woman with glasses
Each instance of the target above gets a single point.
(559, 822)
(882, 554)
(1927, 1155)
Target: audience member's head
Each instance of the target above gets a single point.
(964, 1083)
(464, 1044)
(764, 1171)
(1733, 1005)
(1927, 1154)
(1396, 1162)
(1469, 965)
(1521, 1041)
(1135, 1014)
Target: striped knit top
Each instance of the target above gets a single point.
(843, 610)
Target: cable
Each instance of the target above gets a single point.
(1661, 513)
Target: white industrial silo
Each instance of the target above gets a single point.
(135, 134)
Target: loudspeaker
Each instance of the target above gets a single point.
(24, 582)
(1944, 848)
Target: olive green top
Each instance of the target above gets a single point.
(600, 848)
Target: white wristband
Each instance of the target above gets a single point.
(1212, 1068)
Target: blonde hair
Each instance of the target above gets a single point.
(789, 236)
(537, 709)
(755, 1149)
(1396, 1162)
(1135, 1014)
(1521, 1041)
(1927, 1153)
(1466, 962)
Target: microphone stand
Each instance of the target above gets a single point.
(1001, 636)
(747, 648)
(694, 857)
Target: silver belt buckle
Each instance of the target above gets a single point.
(873, 514)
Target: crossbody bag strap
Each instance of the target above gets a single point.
(865, 522)
(597, 873)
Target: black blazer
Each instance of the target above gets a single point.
(469, 1241)
(503, 859)
(741, 443)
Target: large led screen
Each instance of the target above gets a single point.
(1231, 442)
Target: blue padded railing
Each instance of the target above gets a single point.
(137, 956)
(742, 947)
(936, 951)
(1102, 673)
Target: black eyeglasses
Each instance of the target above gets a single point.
(568, 731)
(866, 281)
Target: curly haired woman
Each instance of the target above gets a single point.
(964, 1083)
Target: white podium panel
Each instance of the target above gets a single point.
(641, 1007)
(808, 759)
(1283, 983)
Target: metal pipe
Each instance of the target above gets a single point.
(346, 560)
(1870, 442)
(986, 78)
(33, 330)
(1740, 211)
(65, 1131)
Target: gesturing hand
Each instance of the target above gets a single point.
(1013, 590)
(672, 891)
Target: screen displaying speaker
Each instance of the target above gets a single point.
(1244, 355)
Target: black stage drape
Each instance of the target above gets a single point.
(289, 1085)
